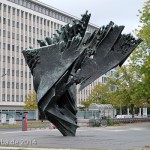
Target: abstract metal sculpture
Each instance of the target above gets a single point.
(71, 57)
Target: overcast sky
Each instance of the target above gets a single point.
(122, 12)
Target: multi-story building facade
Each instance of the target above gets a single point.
(84, 94)
(22, 22)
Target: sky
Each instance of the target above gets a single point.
(121, 12)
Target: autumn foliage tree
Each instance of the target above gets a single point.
(31, 102)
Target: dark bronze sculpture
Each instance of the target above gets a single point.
(71, 57)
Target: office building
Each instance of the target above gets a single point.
(22, 22)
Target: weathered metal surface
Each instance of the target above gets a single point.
(71, 57)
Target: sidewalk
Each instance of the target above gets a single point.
(23, 148)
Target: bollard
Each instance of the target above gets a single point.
(24, 123)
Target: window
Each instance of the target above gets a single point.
(8, 84)
(26, 15)
(41, 31)
(28, 5)
(8, 46)
(17, 24)
(25, 38)
(32, 6)
(13, 11)
(21, 37)
(26, 86)
(12, 98)
(33, 18)
(8, 59)
(17, 73)
(4, 8)
(18, 12)
(18, 49)
(3, 58)
(22, 14)
(21, 61)
(13, 47)
(33, 29)
(24, 4)
(29, 86)
(26, 74)
(4, 71)
(21, 2)
(8, 34)
(17, 36)
(13, 61)
(8, 97)
(30, 16)
(26, 27)
(41, 20)
(4, 20)
(3, 97)
(4, 45)
(3, 84)
(13, 35)
(9, 9)
(29, 28)
(44, 21)
(104, 79)
(21, 85)
(17, 98)
(21, 25)
(37, 31)
(21, 98)
(37, 19)
(8, 72)
(17, 85)
(13, 85)
(18, 62)
(33, 40)
(4, 33)
(8, 22)
(29, 39)
(13, 23)
(29, 74)
(21, 73)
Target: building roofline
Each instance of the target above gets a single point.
(60, 11)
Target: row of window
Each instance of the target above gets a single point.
(9, 59)
(17, 85)
(45, 11)
(38, 8)
(12, 98)
(15, 73)
(21, 37)
(12, 47)
(17, 24)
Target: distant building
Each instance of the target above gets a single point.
(22, 22)
(84, 94)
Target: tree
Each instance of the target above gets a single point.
(126, 82)
(31, 102)
(140, 59)
(99, 95)
(133, 80)
(86, 103)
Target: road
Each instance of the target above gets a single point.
(131, 136)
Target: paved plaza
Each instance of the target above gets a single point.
(130, 136)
